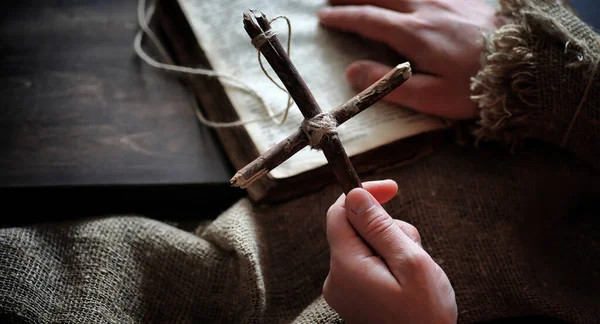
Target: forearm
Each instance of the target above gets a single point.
(540, 79)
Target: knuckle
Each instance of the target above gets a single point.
(437, 3)
(412, 232)
(419, 263)
(421, 24)
(372, 15)
(361, 269)
(377, 222)
(366, 12)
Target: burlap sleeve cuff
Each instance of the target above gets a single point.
(540, 78)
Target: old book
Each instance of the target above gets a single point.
(210, 34)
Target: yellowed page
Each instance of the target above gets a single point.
(321, 57)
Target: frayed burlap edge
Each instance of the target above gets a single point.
(506, 88)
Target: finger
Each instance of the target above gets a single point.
(350, 257)
(375, 225)
(382, 190)
(342, 239)
(410, 231)
(376, 23)
(425, 93)
(341, 236)
(396, 5)
(383, 235)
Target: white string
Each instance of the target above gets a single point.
(144, 16)
(289, 101)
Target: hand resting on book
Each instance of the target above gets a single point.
(441, 39)
(379, 272)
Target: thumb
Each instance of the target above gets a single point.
(376, 227)
(415, 93)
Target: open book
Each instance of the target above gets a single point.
(215, 38)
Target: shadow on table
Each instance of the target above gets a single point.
(185, 205)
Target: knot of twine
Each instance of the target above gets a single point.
(261, 39)
(318, 127)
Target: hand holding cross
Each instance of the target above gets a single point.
(319, 129)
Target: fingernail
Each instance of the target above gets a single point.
(360, 201)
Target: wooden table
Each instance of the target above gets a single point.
(83, 120)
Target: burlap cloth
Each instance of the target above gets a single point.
(517, 233)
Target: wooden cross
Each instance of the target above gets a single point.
(319, 129)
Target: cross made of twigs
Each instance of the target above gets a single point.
(318, 129)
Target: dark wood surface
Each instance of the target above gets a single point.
(82, 118)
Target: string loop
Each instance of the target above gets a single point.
(227, 80)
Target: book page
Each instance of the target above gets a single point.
(320, 55)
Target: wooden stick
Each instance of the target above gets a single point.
(297, 141)
(269, 160)
(374, 93)
(282, 65)
(284, 68)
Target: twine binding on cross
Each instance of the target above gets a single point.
(319, 128)
(260, 40)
